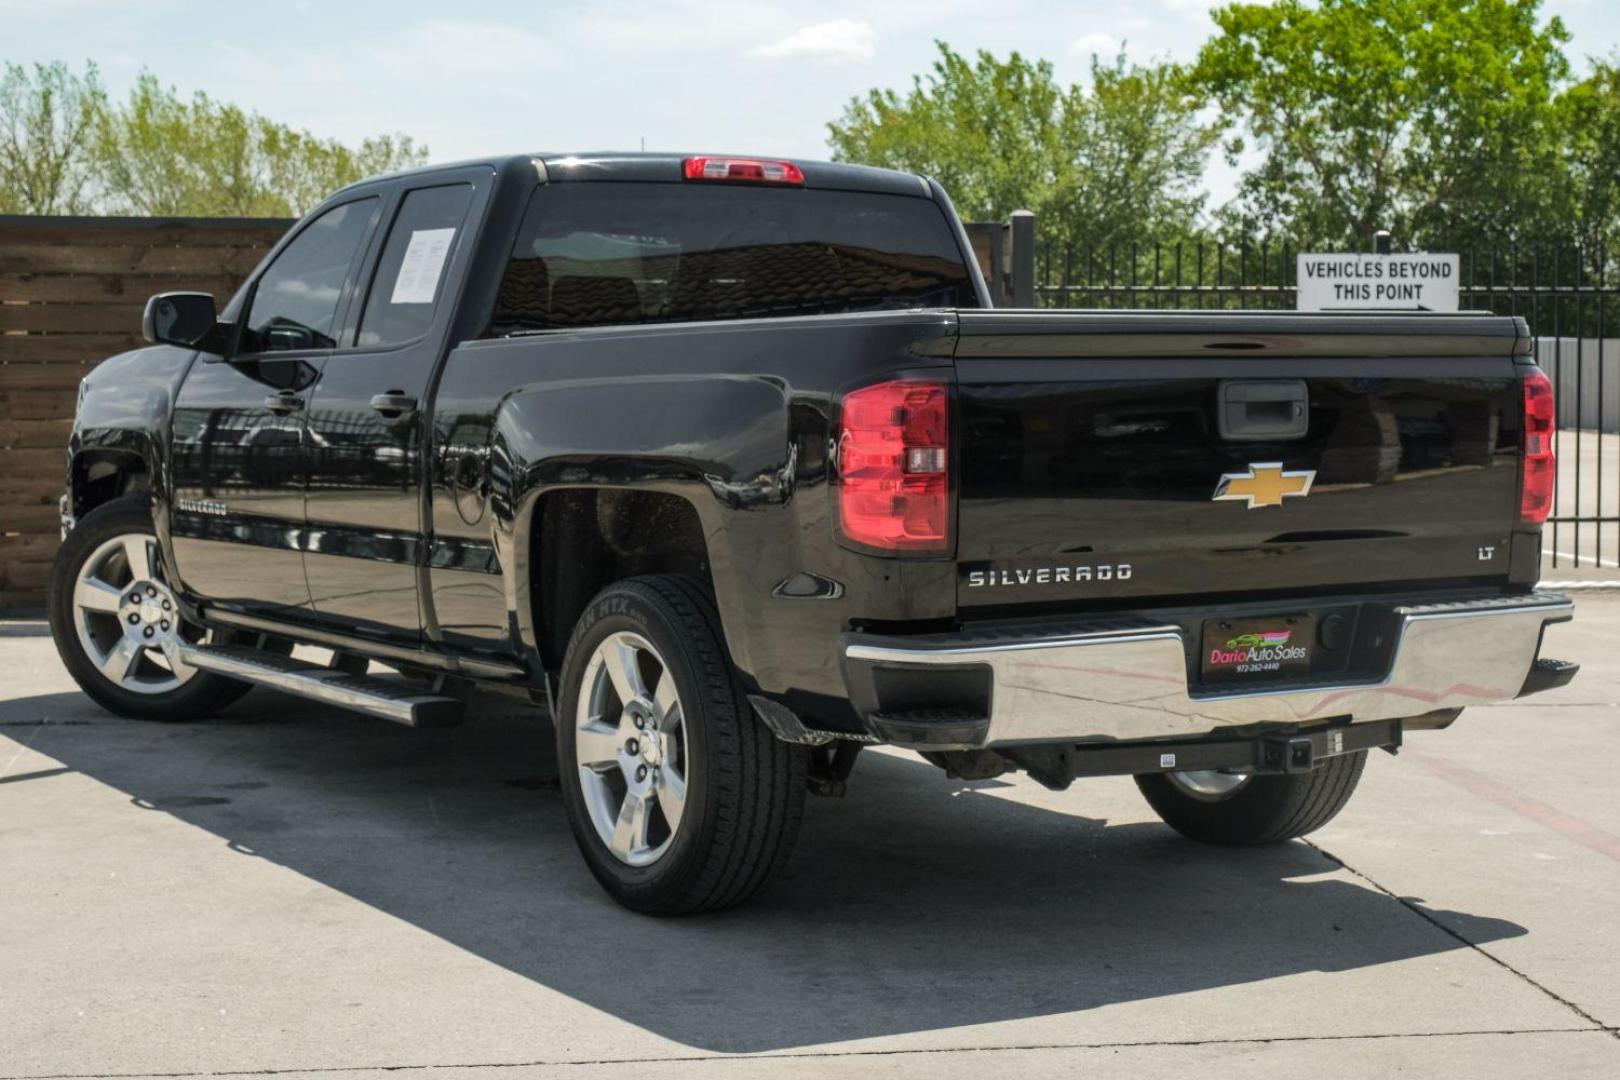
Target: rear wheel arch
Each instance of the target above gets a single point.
(581, 540)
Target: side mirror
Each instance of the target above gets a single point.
(183, 318)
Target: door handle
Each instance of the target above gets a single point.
(283, 403)
(393, 404)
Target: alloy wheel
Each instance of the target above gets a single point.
(127, 619)
(1211, 785)
(631, 749)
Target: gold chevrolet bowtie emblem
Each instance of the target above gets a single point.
(1265, 484)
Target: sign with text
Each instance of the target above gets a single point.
(1377, 283)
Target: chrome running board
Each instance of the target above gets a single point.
(396, 700)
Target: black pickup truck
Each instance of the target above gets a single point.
(727, 464)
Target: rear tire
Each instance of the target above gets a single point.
(1264, 809)
(680, 799)
(115, 636)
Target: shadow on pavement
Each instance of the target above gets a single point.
(916, 903)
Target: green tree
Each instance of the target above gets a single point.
(1131, 157)
(1115, 161)
(48, 119)
(163, 155)
(1590, 118)
(1434, 118)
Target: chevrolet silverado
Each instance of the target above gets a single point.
(729, 467)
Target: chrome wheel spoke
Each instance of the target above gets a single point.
(667, 703)
(630, 831)
(596, 746)
(181, 669)
(120, 661)
(93, 594)
(138, 553)
(619, 657)
(671, 789)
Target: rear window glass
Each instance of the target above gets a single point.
(602, 253)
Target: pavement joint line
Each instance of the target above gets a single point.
(684, 1059)
(1428, 917)
(23, 745)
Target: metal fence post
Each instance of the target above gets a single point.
(1023, 259)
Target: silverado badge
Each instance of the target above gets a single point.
(1265, 484)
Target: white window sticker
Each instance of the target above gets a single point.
(424, 262)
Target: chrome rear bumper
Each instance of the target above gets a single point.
(1128, 680)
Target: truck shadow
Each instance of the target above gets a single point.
(916, 903)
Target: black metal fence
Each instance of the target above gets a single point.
(1569, 295)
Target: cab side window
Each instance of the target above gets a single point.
(296, 300)
(410, 277)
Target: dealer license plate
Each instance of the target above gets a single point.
(1257, 650)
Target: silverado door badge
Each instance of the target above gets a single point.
(1265, 484)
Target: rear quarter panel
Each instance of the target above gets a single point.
(736, 419)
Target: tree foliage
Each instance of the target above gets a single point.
(163, 155)
(1437, 119)
(48, 123)
(66, 148)
(1590, 117)
(1118, 160)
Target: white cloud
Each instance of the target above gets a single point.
(840, 39)
(1104, 46)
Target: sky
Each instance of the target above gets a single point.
(501, 76)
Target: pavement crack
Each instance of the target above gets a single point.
(679, 1059)
(1429, 917)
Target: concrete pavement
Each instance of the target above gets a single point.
(294, 890)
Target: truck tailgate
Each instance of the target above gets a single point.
(1350, 451)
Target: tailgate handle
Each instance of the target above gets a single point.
(1254, 409)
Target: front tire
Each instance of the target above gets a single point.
(680, 800)
(117, 625)
(1268, 809)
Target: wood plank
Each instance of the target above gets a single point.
(72, 318)
(30, 547)
(42, 376)
(34, 434)
(37, 404)
(103, 288)
(46, 462)
(208, 232)
(30, 520)
(32, 497)
(124, 259)
(22, 349)
(24, 576)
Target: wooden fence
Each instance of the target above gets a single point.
(71, 295)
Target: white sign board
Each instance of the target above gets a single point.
(1377, 283)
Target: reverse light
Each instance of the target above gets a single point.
(894, 466)
(750, 170)
(1538, 487)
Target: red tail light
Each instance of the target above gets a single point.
(1540, 465)
(894, 466)
(746, 169)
